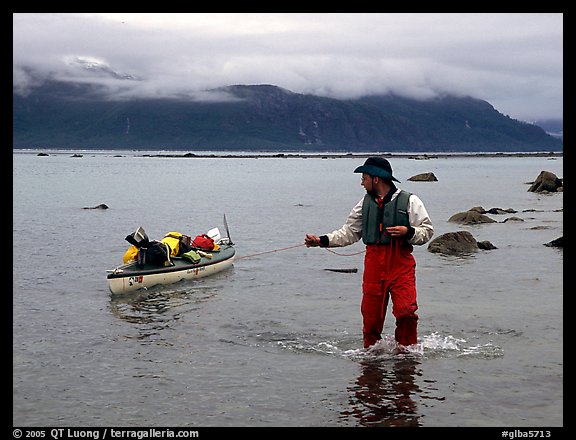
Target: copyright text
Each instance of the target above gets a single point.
(103, 433)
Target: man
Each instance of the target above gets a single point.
(389, 221)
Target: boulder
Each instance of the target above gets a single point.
(424, 177)
(481, 210)
(547, 182)
(471, 217)
(559, 242)
(486, 245)
(454, 243)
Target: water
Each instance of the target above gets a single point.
(276, 340)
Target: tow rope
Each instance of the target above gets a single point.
(269, 252)
(295, 246)
(345, 255)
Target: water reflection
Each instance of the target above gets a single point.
(383, 394)
(155, 310)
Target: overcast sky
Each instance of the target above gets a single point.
(513, 61)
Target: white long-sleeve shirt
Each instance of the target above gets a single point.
(351, 231)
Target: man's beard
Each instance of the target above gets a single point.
(372, 193)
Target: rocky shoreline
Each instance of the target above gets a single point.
(415, 156)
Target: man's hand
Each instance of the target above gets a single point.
(312, 240)
(397, 231)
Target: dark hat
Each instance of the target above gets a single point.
(378, 167)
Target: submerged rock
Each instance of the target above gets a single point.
(100, 206)
(352, 270)
(513, 219)
(500, 211)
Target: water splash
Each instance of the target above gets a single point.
(431, 345)
(486, 351)
(435, 341)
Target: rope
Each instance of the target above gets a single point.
(269, 252)
(295, 246)
(345, 255)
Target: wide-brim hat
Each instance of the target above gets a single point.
(377, 167)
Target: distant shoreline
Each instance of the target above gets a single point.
(415, 156)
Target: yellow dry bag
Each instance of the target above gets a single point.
(130, 255)
(172, 239)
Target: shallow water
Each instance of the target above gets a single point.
(276, 340)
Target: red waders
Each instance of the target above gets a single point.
(389, 271)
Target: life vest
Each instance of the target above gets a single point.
(375, 220)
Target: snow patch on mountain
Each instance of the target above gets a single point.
(97, 66)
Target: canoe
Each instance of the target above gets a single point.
(130, 277)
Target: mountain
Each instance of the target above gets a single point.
(266, 117)
(554, 127)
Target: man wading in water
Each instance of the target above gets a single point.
(389, 221)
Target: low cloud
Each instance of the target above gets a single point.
(514, 61)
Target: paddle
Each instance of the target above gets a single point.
(227, 230)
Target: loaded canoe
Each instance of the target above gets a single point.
(130, 277)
